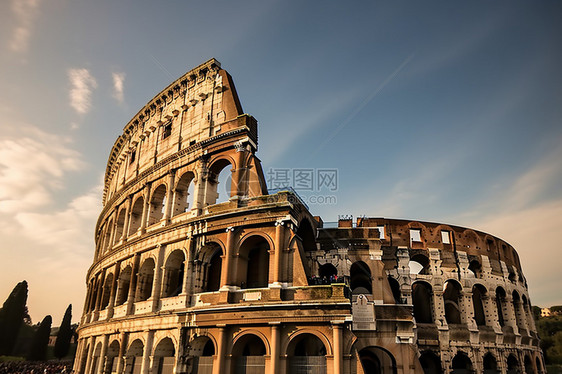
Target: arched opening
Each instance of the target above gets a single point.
(112, 357)
(107, 238)
(529, 368)
(133, 357)
(84, 359)
(539, 365)
(253, 262)
(328, 272)
(512, 365)
(145, 280)
(451, 298)
(106, 291)
(422, 296)
(360, 278)
(164, 357)
(306, 354)
(95, 292)
(174, 271)
(518, 310)
(461, 364)
(306, 233)
(123, 284)
(136, 216)
(219, 182)
(96, 358)
(208, 268)
(248, 355)
(476, 268)
(430, 362)
(527, 314)
(419, 264)
(500, 305)
(376, 360)
(157, 205)
(395, 288)
(490, 364)
(200, 354)
(478, 295)
(120, 225)
(183, 198)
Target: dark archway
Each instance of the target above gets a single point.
(254, 262)
(327, 271)
(145, 280)
(306, 354)
(500, 305)
(377, 360)
(422, 296)
(478, 295)
(512, 365)
(164, 357)
(360, 278)
(490, 364)
(419, 264)
(248, 355)
(451, 298)
(461, 364)
(174, 272)
(201, 354)
(430, 362)
(396, 292)
(306, 233)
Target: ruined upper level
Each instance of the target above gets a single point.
(197, 107)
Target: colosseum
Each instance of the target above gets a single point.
(189, 279)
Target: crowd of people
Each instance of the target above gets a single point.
(316, 280)
(31, 367)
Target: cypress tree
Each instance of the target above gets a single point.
(64, 335)
(12, 316)
(38, 350)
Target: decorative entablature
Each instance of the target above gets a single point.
(175, 90)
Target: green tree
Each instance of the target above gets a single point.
(12, 316)
(550, 331)
(536, 312)
(64, 335)
(38, 350)
(557, 309)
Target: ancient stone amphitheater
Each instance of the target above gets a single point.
(189, 279)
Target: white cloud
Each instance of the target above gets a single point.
(118, 80)
(32, 165)
(46, 226)
(82, 84)
(25, 12)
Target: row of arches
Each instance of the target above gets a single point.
(462, 364)
(305, 352)
(203, 273)
(483, 313)
(167, 199)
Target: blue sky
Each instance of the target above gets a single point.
(440, 111)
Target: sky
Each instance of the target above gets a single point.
(438, 111)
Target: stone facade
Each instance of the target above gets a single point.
(184, 283)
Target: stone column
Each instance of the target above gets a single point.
(169, 193)
(127, 220)
(275, 343)
(146, 355)
(338, 338)
(121, 354)
(218, 365)
(89, 357)
(226, 276)
(102, 363)
(113, 293)
(279, 247)
(133, 284)
(145, 208)
(157, 282)
(510, 313)
(186, 287)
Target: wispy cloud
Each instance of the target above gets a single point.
(118, 81)
(44, 218)
(32, 165)
(82, 84)
(25, 12)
